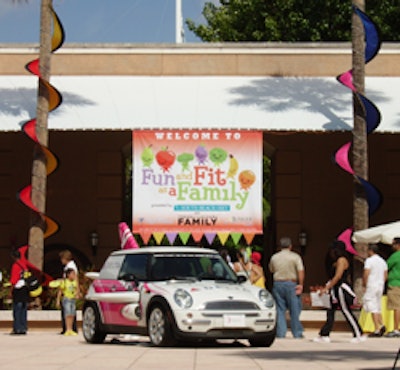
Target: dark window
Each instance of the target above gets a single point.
(135, 264)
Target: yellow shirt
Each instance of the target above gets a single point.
(69, 288)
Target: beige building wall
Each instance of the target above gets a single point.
(269, 59)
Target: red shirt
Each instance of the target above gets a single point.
(16, 269)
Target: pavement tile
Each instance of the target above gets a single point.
(48, 350)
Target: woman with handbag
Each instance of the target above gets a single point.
(341, 294)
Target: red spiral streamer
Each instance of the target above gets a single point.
(29, 128)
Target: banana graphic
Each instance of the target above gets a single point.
(233, 166)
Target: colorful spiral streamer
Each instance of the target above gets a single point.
(372, 120)
(29, 128)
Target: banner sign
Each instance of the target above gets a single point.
(197, 181)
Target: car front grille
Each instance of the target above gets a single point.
(231, 306)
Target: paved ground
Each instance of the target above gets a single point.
(46, 349)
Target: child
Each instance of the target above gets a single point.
(68, 290)
(68, 263)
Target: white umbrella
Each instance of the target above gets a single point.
(378, 234)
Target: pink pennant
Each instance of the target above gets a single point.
(126, 237)
(345, 237)
(346, 79)
(342, 158)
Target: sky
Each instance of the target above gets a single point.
(100, 21)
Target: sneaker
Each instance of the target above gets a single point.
(70, 333)
(73, 333)
(321, 339)
(361, 339)
(375, 334)
(393, 334)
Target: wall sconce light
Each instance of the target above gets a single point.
(94, 242)
(303, 241)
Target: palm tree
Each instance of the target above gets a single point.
(360, 150)
(39, 170)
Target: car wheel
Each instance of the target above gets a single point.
(262, 341)
(160, 327)
(91, 325)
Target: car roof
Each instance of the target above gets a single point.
(165, 249)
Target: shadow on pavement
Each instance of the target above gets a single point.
(326, 355)
(131, 340)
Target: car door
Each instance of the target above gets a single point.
(117, 288)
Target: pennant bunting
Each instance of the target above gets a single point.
(197, 235)
(158, 237)
(145, 237)
(223, 237)
(210, 237)
(236, 237)
(171, 237)
(184, 237)
(249, 238)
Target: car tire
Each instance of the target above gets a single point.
(263, 341)
(91, 325)
(160, 327)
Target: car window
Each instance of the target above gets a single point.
(135, 264)
(199, 266)
(111, 267)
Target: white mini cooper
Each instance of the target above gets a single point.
(175, 294)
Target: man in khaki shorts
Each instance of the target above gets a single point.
(393, 292)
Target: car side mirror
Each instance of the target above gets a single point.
(130, 277)
(241, 279)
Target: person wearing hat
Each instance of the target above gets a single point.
(257, 277)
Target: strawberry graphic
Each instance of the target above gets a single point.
(165, 158)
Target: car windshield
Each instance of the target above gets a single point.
(190, 266)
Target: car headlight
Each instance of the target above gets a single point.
(266, 298)
(183, 299)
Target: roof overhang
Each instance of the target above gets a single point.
(201, 102)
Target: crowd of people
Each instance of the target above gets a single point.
(288, 273)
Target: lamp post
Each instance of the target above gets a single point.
(303, 242)
(94, 242)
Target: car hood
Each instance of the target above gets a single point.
(207, 290)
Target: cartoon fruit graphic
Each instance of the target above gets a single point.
(246, 179)
(147, 156)
(201, 154)
(165, 158)
(233, 166)
(218, 156)
(184, 159)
